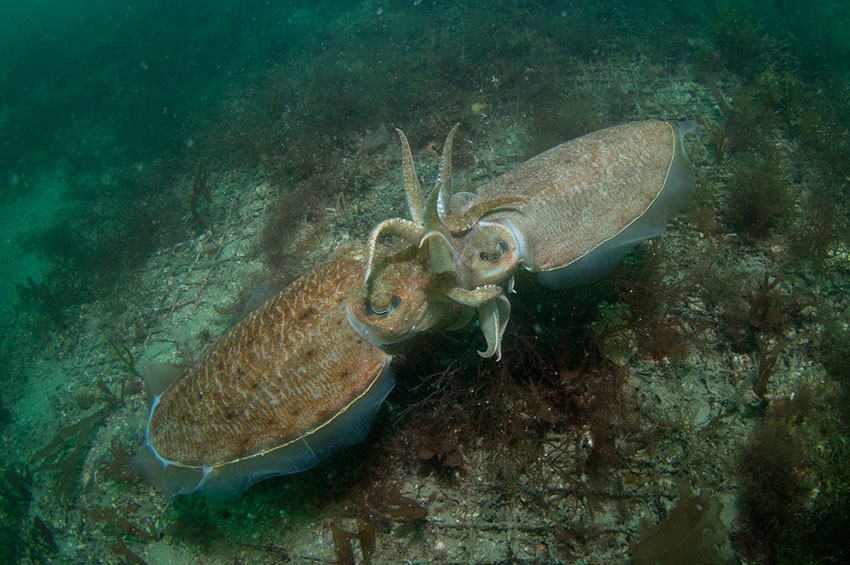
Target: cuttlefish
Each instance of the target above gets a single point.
(305, 374)
(569, 214)
(298, 379)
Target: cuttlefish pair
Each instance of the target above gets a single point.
(305, 374)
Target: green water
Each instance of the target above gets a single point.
(110, 112)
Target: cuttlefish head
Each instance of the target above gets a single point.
(469, 261)
(398, 302)
(488, 254)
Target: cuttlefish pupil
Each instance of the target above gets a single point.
(493, 257)
(383, 311)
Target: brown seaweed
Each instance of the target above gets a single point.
(120, 549)
(124, 356)
(365, 534)
(15, 488)
(42, 535)
(109, 516)
(53, 456)
(118, 469)
(389, 502)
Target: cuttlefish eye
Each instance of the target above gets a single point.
(489, 255)
(382, 311)
(501, 249)
(393, 305)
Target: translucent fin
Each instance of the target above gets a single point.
(157, 377)
(258, 298)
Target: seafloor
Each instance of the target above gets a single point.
(691, 407)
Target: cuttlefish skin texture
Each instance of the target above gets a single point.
(283, 389)
(584, 193)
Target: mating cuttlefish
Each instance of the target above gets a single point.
(305, 374)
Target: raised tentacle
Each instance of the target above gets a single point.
(415, 199)
(444, 174)
(431, 220)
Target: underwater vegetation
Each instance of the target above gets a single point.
(822, 228)
(758, 200)
(655, 312)
(57, 456)
(20, 537)
(793, 502)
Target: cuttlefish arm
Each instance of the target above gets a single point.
(476, 257)
(412, 189)
(493, 317)
(408, 230)
(494, 310)
(431, 227)
(411, 230)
